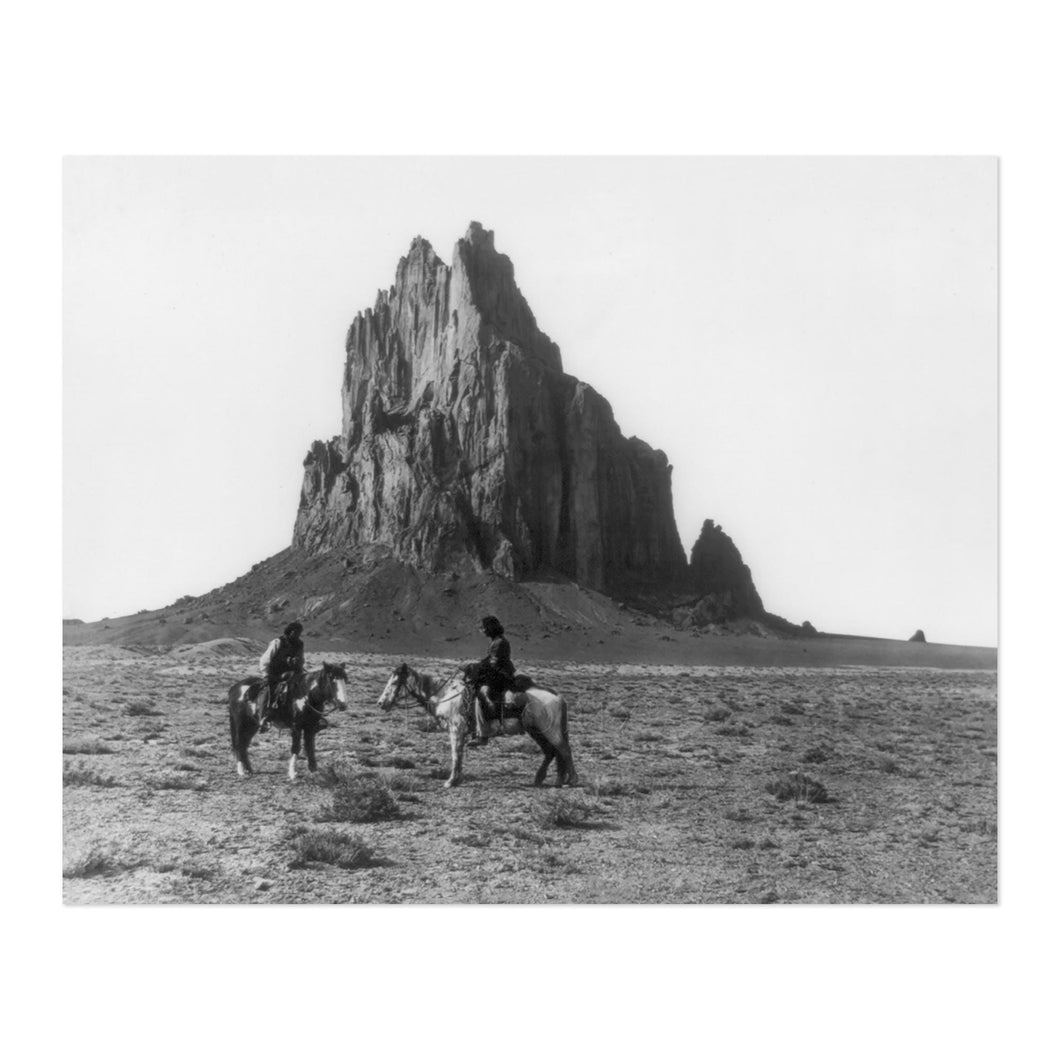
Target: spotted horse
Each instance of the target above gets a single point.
(531, 709)
(302, 702)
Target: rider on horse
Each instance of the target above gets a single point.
(491, 677)
(284, 656)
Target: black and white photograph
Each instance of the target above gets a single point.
(530, 530)
(551, 514)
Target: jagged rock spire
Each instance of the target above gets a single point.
(463, 441)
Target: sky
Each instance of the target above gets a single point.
(812, 342)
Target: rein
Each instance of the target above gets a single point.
(310, 704)
(427, 702)
(424, 701)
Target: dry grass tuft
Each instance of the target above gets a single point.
(357, 797)
(402, 781)
(799, 787)
(142, 709)
(329, 847)
(517, 832)
(78, 777)
(397, 762)
(734, 730)
(86, 745)
(647, 737)
(568, 811)
(94, 863)
(470, 839)
(739, 815)
(187, 869)
(608, 787)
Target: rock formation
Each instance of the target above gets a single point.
(717, 570)
(465, 443)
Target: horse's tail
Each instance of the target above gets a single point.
(568, 773)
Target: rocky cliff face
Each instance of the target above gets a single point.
(464, 443)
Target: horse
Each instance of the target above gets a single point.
(299, 706)
(451, 703)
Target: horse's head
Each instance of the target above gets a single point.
(396, 684)
(333, 680)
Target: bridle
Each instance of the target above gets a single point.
(404, 689)
(324, 700)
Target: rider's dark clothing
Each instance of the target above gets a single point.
(496, 670)
(283, 654)
(491, 677)
(499, 660)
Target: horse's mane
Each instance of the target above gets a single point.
(429, 684)
(458, 676)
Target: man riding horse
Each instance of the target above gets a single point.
(283, 658)
(491, 678)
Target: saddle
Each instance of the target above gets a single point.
(514, 699)
(279, 701)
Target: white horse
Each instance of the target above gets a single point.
(451, 702)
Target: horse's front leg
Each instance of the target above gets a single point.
(237, 750)
(457, 740)
(247, 730)
(296, 747)
(243, 763)
(311, 749)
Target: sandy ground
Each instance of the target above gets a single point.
(674, 759)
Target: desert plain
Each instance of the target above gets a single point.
(837, 770)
